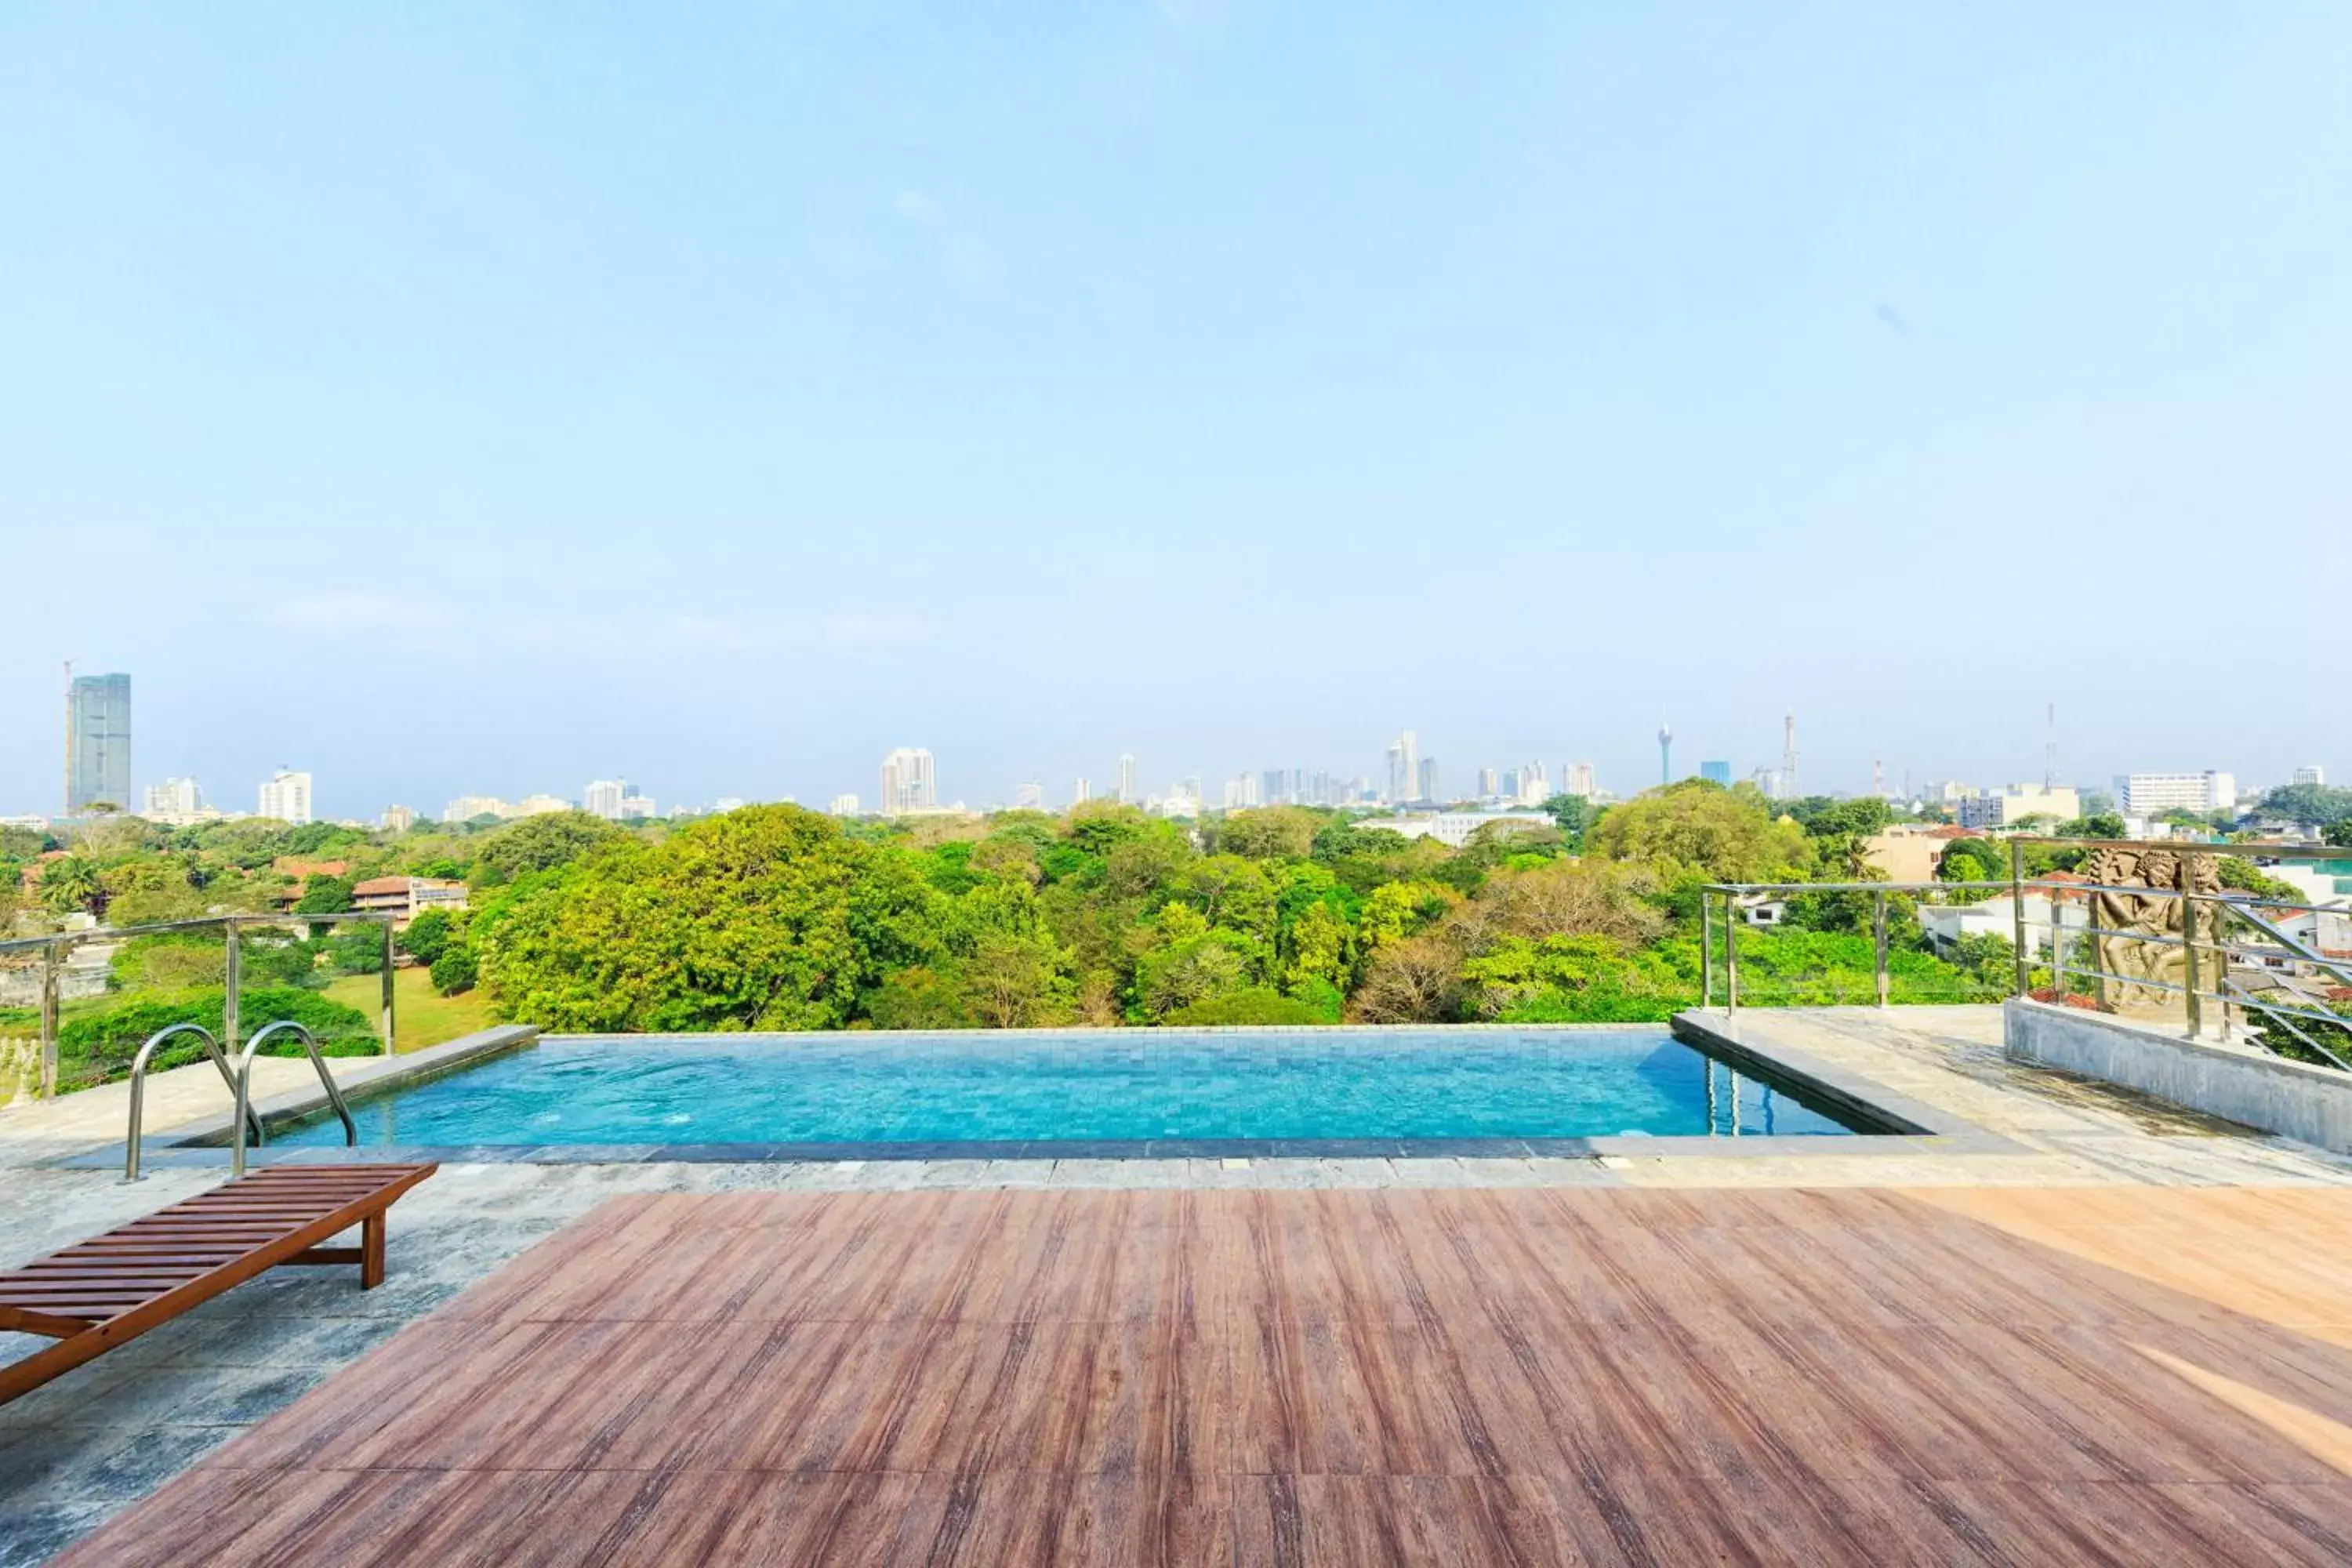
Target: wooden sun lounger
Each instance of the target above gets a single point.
(116, 1287)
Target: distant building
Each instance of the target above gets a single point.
(1081, 791)
(397, 819)
(637, 807)
(1127, 793)
(172, 800)
(285, 797)
(1030, 797)
(1909, 852)
(2313, 774)
(603, 797)
(2153, 794)
(1715, 770)
(726, 803)
(1426, 780)
(467, 808)
(1578, 782)
(1177, 802)
(844, 805)
(97, 743)
(1533, 790)
(408, 897)
(1404, 768)
(908, 782)
(541, 804)
(2007, 807)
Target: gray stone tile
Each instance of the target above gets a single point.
(34, 1531)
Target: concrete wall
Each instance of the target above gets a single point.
(2242, 1084)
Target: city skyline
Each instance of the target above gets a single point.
(1453, 408)
(911, 780)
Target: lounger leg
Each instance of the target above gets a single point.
(372, 1251)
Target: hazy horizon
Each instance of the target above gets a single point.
(446, 401)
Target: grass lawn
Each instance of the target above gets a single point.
(420, 1017)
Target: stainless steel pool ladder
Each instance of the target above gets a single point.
(240, 1087)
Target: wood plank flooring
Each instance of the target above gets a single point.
(1497, 1376)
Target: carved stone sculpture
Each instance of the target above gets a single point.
(2137, 946)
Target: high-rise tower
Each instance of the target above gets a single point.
(97, 742)
(1665, 752)
(1789, 790)
(908, 782)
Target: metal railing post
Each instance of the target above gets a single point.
(2017, 907)
(50, 1019)
(228, 1000)
(1731, 953)
(388, 1044)
(1878, 934)
(2221, 966)
(1705, 949)
(2188, 930)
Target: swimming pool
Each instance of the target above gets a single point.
(1125, 1091)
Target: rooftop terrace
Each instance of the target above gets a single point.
(2100, 1328)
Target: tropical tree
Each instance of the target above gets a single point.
(1699, 827)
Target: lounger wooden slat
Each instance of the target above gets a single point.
(99, 1293)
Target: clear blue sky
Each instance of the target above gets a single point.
(486, 397)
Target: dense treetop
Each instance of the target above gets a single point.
(776, 918)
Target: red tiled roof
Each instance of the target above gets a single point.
(381, 884)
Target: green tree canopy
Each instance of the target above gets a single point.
(543, 842)
(1271, 832)
(1725, 834)
(767, 918)
(2313, 806)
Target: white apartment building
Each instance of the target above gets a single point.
(396, 819)
(1127, 793)
(467, 808)
(1579, 781)
(286, 797)
(844, 805)
(1030, 797)
(2008, 806)
(637, 807)
(541, 804)
(603, 797)
(2313, 774)
(174, 797)
(1082, 791)
(2153, 794)
(909, 782)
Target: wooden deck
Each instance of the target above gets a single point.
(1518, 1376)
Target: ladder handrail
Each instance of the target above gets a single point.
(245, 1089)
(139, 1088)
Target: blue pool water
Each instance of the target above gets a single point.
(1110, 1086)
